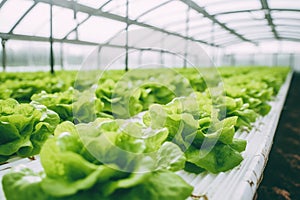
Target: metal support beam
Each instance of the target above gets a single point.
(75, 18)
(99, 13)
(3, 43)
(187, 27)
(275, 59)
(126, 31)
(268, 17)
(140, 57)
(252, 59)
(7, 36)
(162, 61)
(212, 34)
(232, 61)
(202, 11)
(292, 60)
(61, 56)
(51, 41)
(99, 57)
(2, 3)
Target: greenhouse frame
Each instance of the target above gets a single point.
(216, 24)
(149, 99)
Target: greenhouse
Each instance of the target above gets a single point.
(139, 99)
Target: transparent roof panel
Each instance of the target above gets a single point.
(253, 29)
(288, 28)
(220, 38)
(99, 29)
(229, 42)
(208, 2)
(92, 3)
(224, 38)
(172, 12)
(242, 23)
(194, 14)
(254, 15)
(227, 6)
(289, 34)
(200, 32)
(286, 14)
(36, 21)
(284, 4)
(287, 21)
(72, 36)
(10, 13)
(193, 25)
(142, 7)
(207, 31)
(259, 35)
(245, 17)
(63, 21)
(196, 24)
(116, 7)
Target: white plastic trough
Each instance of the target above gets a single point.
(239, 183)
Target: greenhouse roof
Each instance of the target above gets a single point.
(218, 23)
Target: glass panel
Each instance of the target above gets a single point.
(36, 22)
(92, 3)
(284, 4)
(10, 13)
(98, 29)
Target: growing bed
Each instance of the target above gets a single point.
(238, 183)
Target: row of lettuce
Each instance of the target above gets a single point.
(126, 137)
